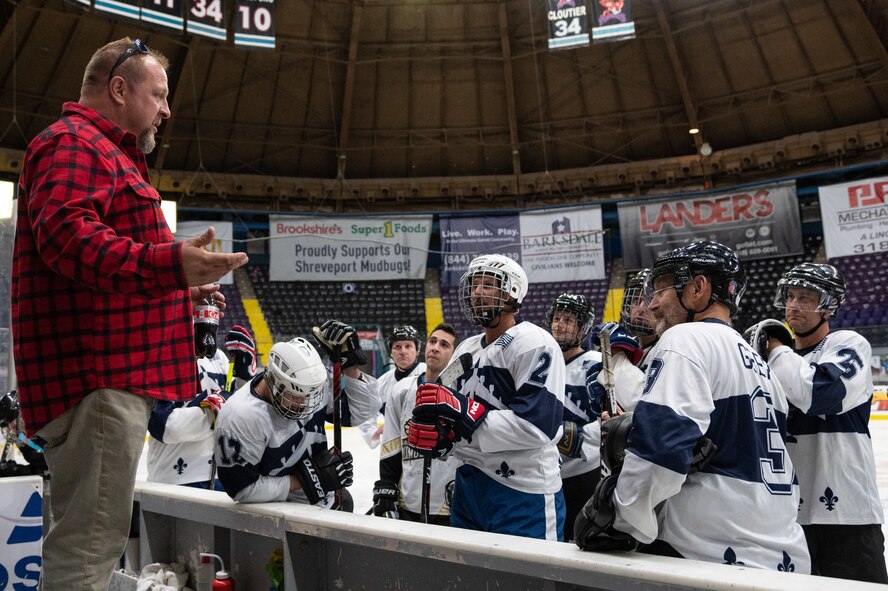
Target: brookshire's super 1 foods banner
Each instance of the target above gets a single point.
(552, 245)
(761, 222)
(855, 217)
(306, 248)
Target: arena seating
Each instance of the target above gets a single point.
(234, 311)
(292, 308)
(865, 308)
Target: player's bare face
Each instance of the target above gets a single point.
(404, 354)
(439, 350)
(801, 308)
(564, 326)
(664, 305)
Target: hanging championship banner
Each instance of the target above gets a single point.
(613, 20)
(348, 248)
(126, 8)
(207, 19)
(855, 217)
(165, 13)
(757, 223)
(84, 4)
(568, 23)
(223, 242)
(254, 23)
(464, 238)
(562, 244)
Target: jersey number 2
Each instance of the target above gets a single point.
(538, 376)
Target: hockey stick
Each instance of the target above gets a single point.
(337, 413)
(448, 379)
(609, 400)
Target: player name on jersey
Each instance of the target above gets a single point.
(568, 24)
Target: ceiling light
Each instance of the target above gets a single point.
(693, 131)
(705, 149)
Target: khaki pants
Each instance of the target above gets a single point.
(92, 451)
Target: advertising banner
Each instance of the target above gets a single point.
(306, 248)
(464, 238)
(562, 244)
(222, 243)
(760, 222)
(855, 217)
(21, 531)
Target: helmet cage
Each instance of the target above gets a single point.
(508, 279)
(809, 276)
(580, 308)
(636, 293)
(296, 392)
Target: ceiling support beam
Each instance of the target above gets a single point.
(510, 88)
(183, 79)
(679, 71)
(875, 33)
(349, 89)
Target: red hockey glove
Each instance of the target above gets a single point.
(431, 440)
(435, 402)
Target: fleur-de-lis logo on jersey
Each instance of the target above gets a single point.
(731, 557)
(786, 566)
(505, 471)
(180, 466)
(829, 499)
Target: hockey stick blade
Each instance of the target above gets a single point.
(457, 368)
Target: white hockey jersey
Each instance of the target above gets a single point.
(257, 449)
(580, 408)
(830, 387)
(398, 411)
(180, 449)
(704, 379)
(381, 389)
(520, 379)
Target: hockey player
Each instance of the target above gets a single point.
(635, 315)
(180, 449)
(270, 438)
(398, 492)
(703, 380)
(504, 415)
(828, 381)
(570, 319)
(404, 344)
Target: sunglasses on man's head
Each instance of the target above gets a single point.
(135, 47)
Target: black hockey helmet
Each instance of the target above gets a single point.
(820, 277)
(404, 333)
(581, 308)
(712, 259)
(9, 407)
(633, 295)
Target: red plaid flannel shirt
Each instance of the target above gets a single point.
(99, 297)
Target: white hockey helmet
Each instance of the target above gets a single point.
(510, 279)
(296, 377)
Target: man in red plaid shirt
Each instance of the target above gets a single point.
(101, 305)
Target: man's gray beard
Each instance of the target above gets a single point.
(147, 143)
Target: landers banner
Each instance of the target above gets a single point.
(762, 222)
(613, 20)
(568, 24)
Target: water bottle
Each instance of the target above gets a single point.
(206, 323)
(222, 580)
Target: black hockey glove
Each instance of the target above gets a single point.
(621, 340)
(614, 436)
(759, 334)
(704, 452)
(323, 473)
(594, 525)
(242, 352)
(385, 499)
(571, 440)
(336, 335)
